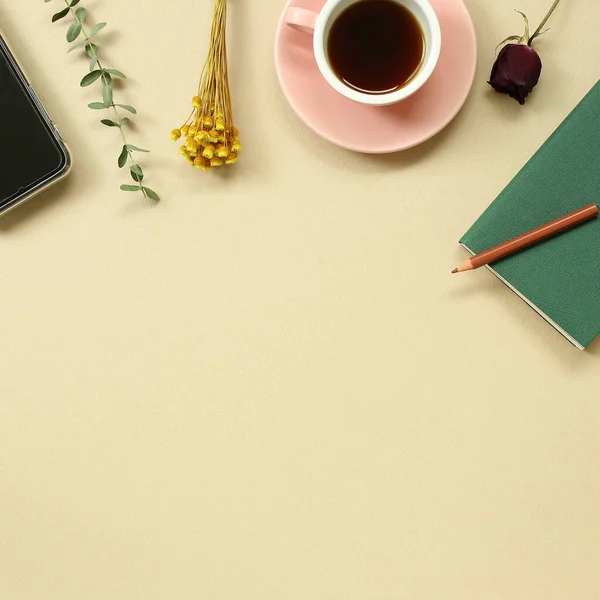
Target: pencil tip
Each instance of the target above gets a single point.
(455, 271)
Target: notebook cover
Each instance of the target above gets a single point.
(559, 277)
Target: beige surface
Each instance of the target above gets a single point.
(252, 391)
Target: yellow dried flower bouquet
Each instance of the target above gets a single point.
(211, 139)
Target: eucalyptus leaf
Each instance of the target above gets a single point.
(97, 106)
(109, 123)
(96, 28)
(123, 157)
(135, 149)
(74, 3)
(76, 45)
(124, 122)
(107, 95)
(127, 107)
(115, 72)
(73, 32)
(131, 188)
(151, 194)
(91, 49)
(136, 173)
(93, 63)
(90, 78)
(59, 15)
(80, 14)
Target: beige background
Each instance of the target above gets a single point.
(252, 390)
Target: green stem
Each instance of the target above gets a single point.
(545, 20)
(129, 154)
(118, 117)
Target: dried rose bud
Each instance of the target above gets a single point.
(518, 66)
(516, 71)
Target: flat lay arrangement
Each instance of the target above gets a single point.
(352, 353)
(372, 75)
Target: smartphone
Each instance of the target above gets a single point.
(33, 155)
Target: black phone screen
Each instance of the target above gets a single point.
(31, 153)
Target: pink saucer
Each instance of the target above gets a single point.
(371, 129)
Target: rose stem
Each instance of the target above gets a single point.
(539, 29)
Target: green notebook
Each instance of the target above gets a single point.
(560, 277)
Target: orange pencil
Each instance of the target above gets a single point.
(527, 239)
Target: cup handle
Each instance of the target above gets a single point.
(301, 19)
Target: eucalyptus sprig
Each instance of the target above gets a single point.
(79, 38)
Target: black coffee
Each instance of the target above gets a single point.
(376, 46)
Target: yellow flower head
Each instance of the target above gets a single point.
(236, 146)
(214, 135)
(184, 151)
(222, 151)
(175, 134)
(231, 158)
(208, 121)
(202, 137)
(216, 162)
(191, 144)
(185, 129)
(202, 163)
(220, 124)
(192, 130)
(196, 102)
(209, 151)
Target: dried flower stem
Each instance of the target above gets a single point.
(538, 31)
